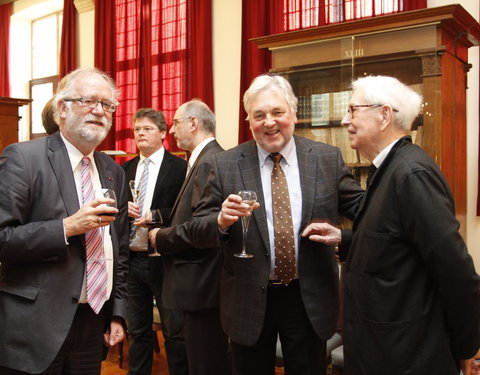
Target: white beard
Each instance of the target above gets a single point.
(80, 131)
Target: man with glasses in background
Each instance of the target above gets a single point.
(63, 252)
(158, 176)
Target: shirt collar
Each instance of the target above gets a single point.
(74, 153)
(196, 151)
(287, 152)
(383, 154)
(156, 157)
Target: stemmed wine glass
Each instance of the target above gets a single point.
(154, 219)
(110, 194)
(249, 197)
(134, 190)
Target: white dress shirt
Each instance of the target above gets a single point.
(140, 241)
(289, 164)
(75, 157)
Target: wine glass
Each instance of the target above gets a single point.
(154, 219)
(249, 197)
(110, 194)
(134, 190)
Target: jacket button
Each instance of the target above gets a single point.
(74, 300)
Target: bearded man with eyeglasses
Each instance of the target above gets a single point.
(63, 258)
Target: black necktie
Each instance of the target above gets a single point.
(371, 171)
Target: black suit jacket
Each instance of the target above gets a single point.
(412, 295)
(327, 190)
(192, 276)
(170, 178)
(40, 275)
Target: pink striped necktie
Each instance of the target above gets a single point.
(96, 267)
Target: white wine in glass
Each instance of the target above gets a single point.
(249, 197)
(135, 191)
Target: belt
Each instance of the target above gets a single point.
(279, 284)
(138, 254)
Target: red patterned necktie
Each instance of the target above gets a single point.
(285, 269)
(96, 267)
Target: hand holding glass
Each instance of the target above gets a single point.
(110, 194)
(154, 219)
(249, 197)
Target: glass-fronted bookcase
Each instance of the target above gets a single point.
(426, 49)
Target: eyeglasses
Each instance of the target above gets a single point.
(352, 108)
(176, 121)
(92, 104)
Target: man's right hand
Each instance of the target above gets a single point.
(89, 216)
(232, 209)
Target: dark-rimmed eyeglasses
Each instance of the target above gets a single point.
(92, 103)
(353, 108)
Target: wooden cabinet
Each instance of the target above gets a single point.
(9, 120)
(426, 49)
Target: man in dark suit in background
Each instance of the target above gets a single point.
(159, 175)
(63, 263)
(259, 298)
(192, 276)
(412, 297)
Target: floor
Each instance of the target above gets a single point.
(110, 365)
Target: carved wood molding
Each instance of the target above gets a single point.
(84, 5)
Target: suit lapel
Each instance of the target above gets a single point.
(307, 166)
(104, 172)
(248, 166)
(60, 162)
(208, 146)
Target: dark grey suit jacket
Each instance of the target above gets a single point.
(192, 276)
(327, 190)
(40, 275)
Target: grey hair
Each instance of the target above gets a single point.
(66, 87)
(202, 112)
(390, 91)
(274, 82)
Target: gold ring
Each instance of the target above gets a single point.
(99, 219)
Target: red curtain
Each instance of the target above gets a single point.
(162, 57)
(68, 55)
(274, 16)
(105, 47)
(5, 12)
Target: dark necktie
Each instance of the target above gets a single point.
(282, 224)
(371, 171)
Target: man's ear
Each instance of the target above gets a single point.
(386, 113)
(62, 109)
(194, 123)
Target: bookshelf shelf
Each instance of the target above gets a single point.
(426, 49)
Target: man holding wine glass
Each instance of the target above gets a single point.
(192, 276)
(289, 285)
(63, 258)
(155, 177)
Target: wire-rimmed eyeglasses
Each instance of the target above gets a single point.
(352, 108)
(92, 103)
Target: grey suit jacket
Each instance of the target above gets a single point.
(327, 190)
(191, 276)
(40, 275)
